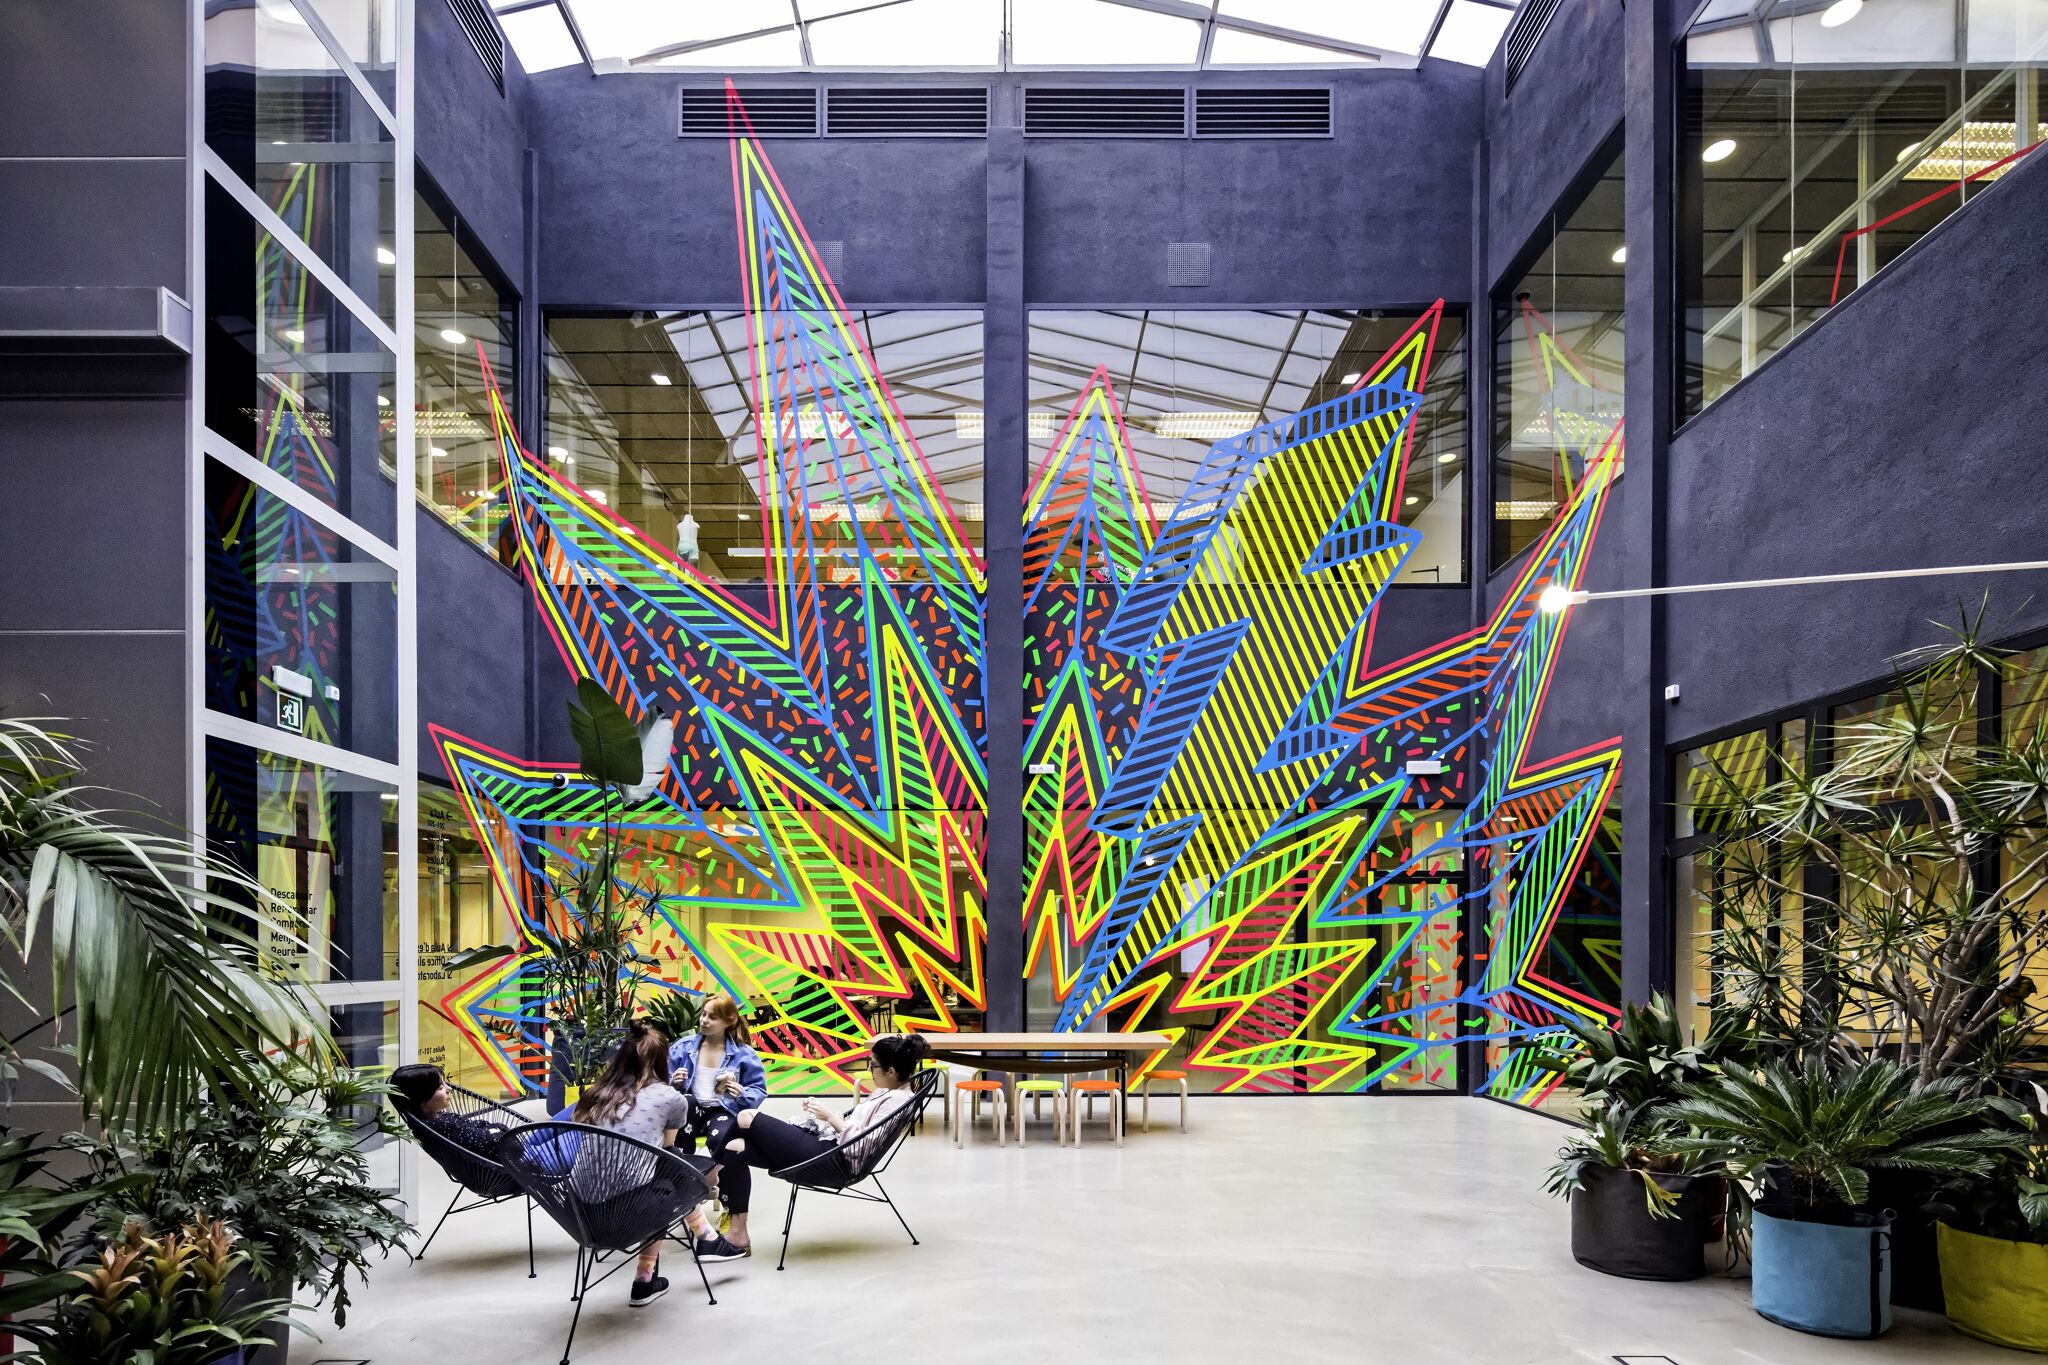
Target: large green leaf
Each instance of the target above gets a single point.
(607, 741)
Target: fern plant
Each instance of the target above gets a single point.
(1644, 1059)
(1815, 1133)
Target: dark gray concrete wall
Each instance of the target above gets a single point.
(470, 138)
(1541, 139)
(1906, 430)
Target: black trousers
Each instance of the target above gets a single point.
(735, 1181)
(773, 1144)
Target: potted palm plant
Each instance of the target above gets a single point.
(1639, 1207)
(1994, 1252)
(1810, 1138)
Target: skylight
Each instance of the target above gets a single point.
(998, 35)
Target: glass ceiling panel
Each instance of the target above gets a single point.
(541, 38)
(1095, 33)
(946, 33)
(968, 34)
(1470, 32)
(1394, 25)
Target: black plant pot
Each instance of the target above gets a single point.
(1614, 1232)
(243, 1288)
(1916, 1263)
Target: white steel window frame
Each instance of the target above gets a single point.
(399, 555)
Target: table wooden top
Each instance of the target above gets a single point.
(1048, 1042)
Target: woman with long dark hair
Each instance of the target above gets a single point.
(718, 1068)
(631, 1098)
(772, 1145)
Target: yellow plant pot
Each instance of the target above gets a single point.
(1997, 1290)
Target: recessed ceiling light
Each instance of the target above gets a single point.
(277, 142)
(1620, 256)
(452, 337)
(1720, 149)
(597, 495)
(295, 335)
(1840, 13)
(557, 453)
(1412, 499)
(661, 379)
(1905, 152)
(386, 256)
(1353, 377)
(1447, 459)
(437, 452)
(382, 401)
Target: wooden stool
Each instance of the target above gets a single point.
(965, 1114)
(1077, 1089)
(1145, 1098)
(1038, 1089)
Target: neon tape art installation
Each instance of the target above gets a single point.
(1223, 836)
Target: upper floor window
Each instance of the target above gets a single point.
(1557, 361)
(1818, 143)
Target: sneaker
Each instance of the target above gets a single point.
(715, 1248)
(647, 1291)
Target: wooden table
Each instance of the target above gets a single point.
(1040, 1054)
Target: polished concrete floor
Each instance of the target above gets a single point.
(1404, 1230)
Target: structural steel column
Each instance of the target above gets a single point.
(1649, 200)
(1004, 461)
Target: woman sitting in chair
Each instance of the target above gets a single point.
(718, 1068)
(423, 1092)
(631, 1098)
(772, 1145)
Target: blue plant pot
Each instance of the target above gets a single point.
(1832, 1279)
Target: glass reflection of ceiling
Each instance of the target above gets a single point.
(998, 35)
(1867, 33)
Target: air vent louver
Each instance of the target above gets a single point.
(1523, 34)
(784, 112)
(1262, 113)
(907, 111)
(484, 36)
(1103, 111)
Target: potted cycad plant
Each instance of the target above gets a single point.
(1809, 1138)
(1994, 1252)
(1639, 1208)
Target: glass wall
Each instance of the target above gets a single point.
(652, 415)
(1817, 144)
(464, 317)
(1185, 380)
(1557, 364)
(462, 907)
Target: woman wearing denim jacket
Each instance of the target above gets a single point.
(718, 1067)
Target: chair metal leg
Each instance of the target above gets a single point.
(898, 1212)
(531, 1273)
(576, 1291)
(582, 1287)
(421, 1254)
(787, 1219)
(700, 1270)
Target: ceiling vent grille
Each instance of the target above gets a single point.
(1263, 113)
(906, 111)
(783, 112)
(1104, 111)
(484, 36)
(1524, 33)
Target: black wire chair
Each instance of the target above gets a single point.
(840, 1171)
(475, 1174)
(612, 1194)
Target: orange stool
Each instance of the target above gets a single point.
(964, 1115)
(1076, 1090)
(1145, 1098)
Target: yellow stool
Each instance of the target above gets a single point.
(1145, 1098)
(1090, 1089)
(964, 1115)
(1038, 1089)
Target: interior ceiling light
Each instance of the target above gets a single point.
(661, 379)
(1203, 426)
(1620, 256)
(1411, 500)
(295, 335)
(1720, 149)
(1840, 13)
(971, 424)
(383, 401)
(437, 452)
(1353, 377)
(452, 337)
(1972, 149)
(1532, 509)
(1449, 458)
(557, 453)
(386, 256)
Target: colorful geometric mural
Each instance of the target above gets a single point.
(1223, 834)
